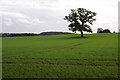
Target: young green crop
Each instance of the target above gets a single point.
(61, 56)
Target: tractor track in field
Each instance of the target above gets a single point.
(73, 45)
(62, 64)
(62, 59)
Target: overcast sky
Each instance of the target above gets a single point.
(47, 15)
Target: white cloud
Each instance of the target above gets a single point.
(36, 20)
(23, 20)
(13, 14)
(29, 21)
(10, 17)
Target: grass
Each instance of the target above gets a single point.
(61, 56)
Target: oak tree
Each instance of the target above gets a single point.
(80, 19)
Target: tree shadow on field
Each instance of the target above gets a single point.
(75, 37)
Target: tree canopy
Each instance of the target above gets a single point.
(80, 19)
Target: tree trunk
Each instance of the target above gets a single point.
(81, 29)
(81, 33)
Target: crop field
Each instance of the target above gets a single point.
(61, 56)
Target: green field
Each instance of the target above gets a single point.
(61, 56)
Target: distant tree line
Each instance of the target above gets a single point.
(100, 30)
(17, 34)
(31, 34)
(54, 33)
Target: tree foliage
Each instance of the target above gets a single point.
(99, 30)
(79, 19)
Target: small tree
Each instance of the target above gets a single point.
(99, 30)
(79, 19)
(106, 31)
